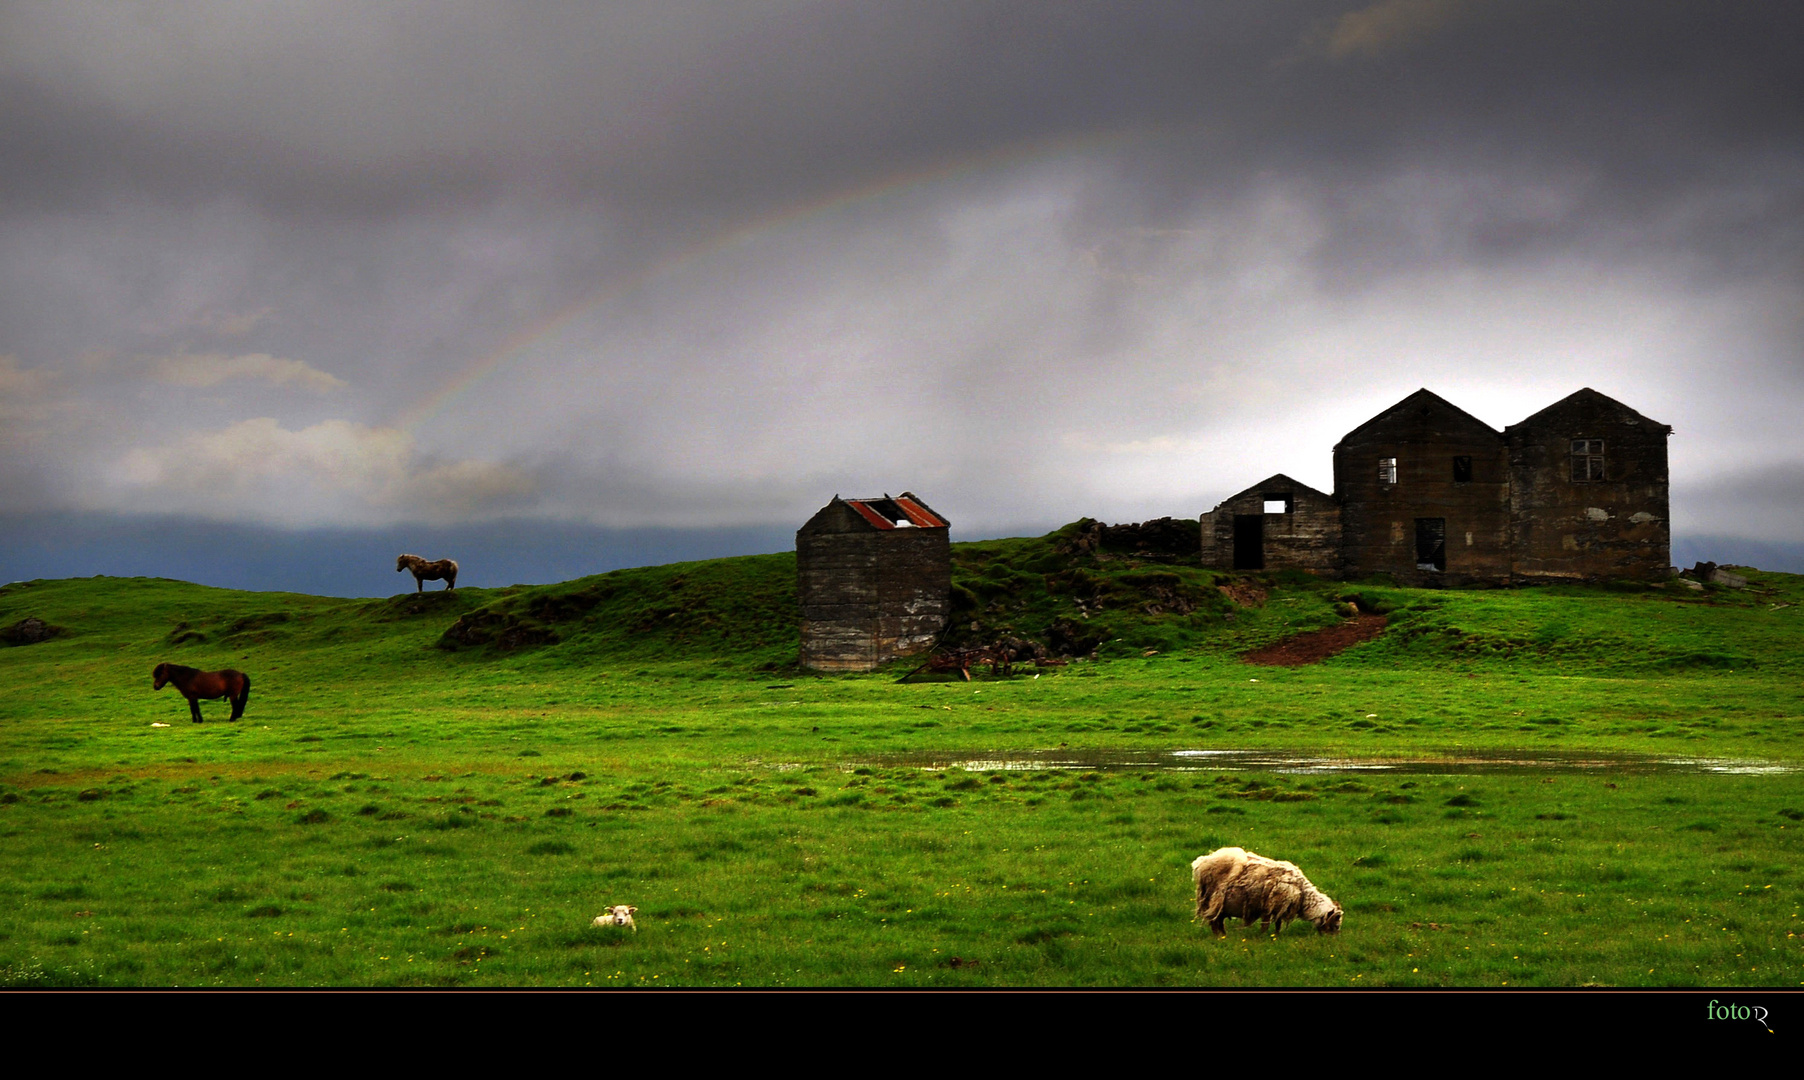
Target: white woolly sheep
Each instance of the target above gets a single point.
(618, 915)
(1235, 883)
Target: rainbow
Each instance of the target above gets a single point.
(477, 371)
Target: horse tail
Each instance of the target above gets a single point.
(244, 696)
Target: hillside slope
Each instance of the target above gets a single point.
(740, 613)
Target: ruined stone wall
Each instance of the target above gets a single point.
(1611, 526)
(1161, 538)
(869, 596)
(1379, 519)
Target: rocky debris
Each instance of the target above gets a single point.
(1068, 637)
(1163, 539)
(1245, 594)
(504, 631)
(1715, 575)
(29, 631)
(1085, 540)
(1164, 593)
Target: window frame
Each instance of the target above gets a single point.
(1586, 461)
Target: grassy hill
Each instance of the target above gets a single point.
(444, 788)
(741, 613)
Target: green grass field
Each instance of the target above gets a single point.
(445, 789)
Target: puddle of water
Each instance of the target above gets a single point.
(1292, 762)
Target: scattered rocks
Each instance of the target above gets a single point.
(29, 631)
(505, 631)
(1714, 575)
(1245, 594)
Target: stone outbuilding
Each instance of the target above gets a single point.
(874, 579)
(1431, 495)
(1277, 524)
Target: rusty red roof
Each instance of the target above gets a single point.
(884, 513)
(918, 513)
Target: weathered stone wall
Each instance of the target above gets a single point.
(1160, 538)
(1307, 537)
(1616, 526)
(1425, 435)
(867, 595)
(1511, 506)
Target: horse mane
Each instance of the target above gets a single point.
(177, 670)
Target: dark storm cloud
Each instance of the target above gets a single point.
(1105, 242)
(673, 105)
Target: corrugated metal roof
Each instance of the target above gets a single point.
(884, 513)
(864, 509)
(918, 513)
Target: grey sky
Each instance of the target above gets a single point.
(686, 265)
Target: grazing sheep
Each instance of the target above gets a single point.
(1235, 883)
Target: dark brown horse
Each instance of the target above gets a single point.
(196, 684)
(424, 571)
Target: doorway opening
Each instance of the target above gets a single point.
(1249, 541)
(1431, 543)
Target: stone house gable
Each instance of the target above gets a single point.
(1424, 489)
(1277, 524)
(1590, 494)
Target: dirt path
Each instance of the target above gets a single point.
(1315, 645)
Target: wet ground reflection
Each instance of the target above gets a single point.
(1457, 763)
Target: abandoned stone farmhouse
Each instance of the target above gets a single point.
(1431, 495)
(874, 579)
(1424, 491)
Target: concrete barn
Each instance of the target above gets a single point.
(874, 577)
(1430, 494)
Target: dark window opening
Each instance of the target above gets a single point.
(1587, 460)
(1277, 504)
(1462, 470)
(1249, 541)
(1431, 543)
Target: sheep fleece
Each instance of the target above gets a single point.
(1236, 883)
